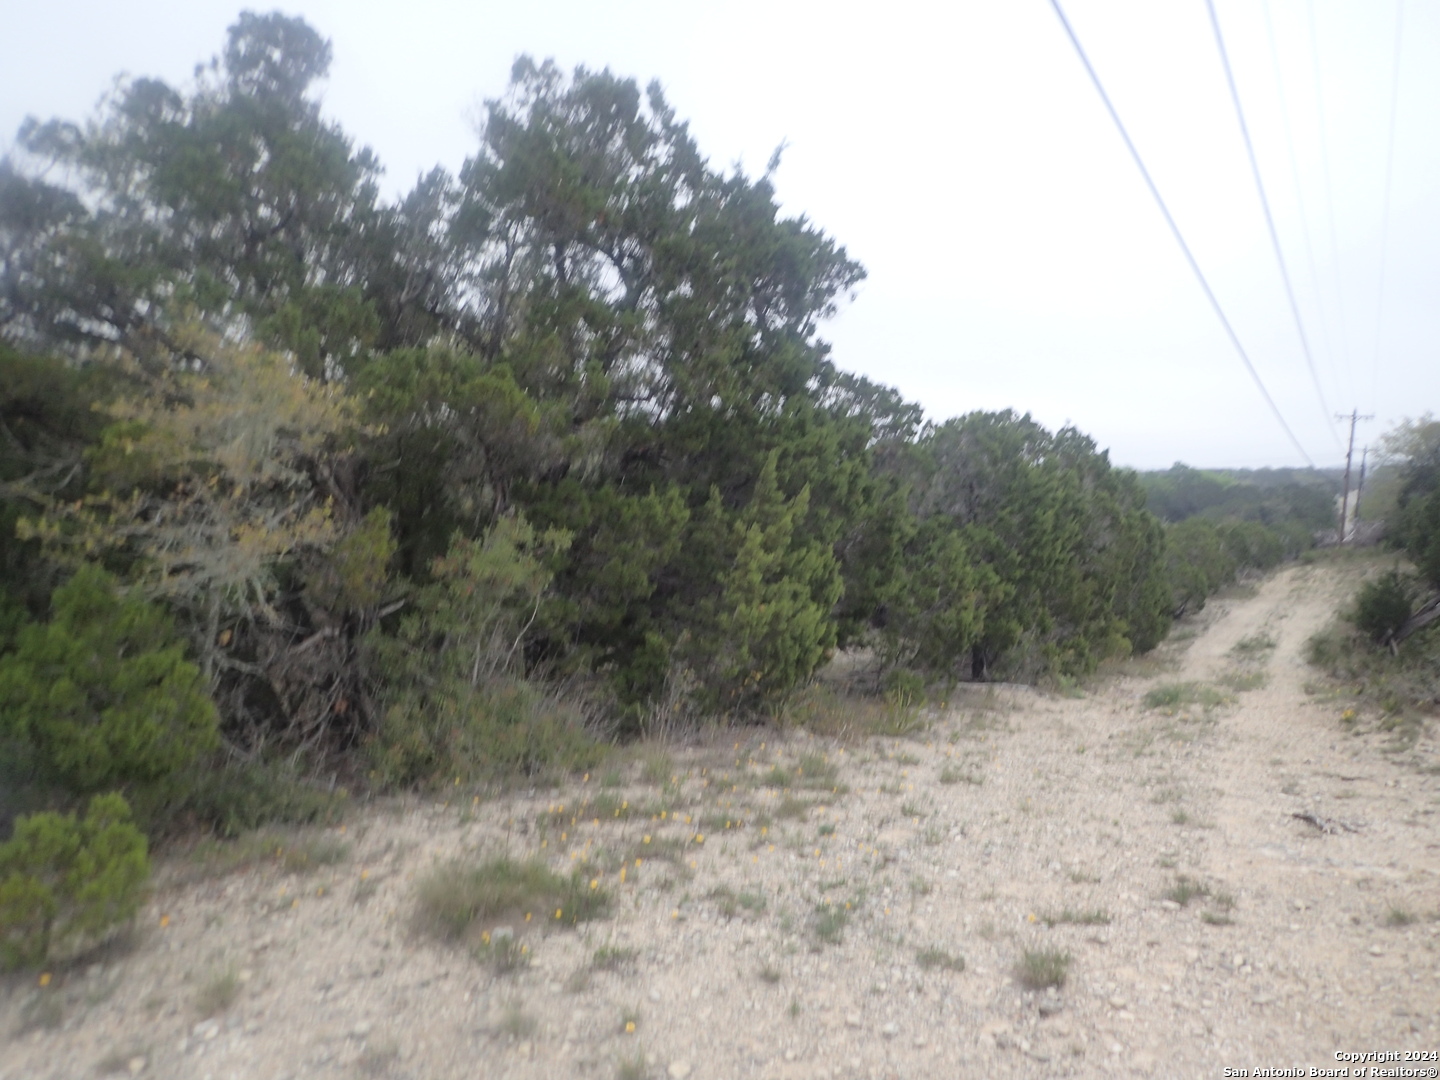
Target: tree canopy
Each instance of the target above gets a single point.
(553, 443)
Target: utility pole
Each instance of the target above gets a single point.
(1360, 487)
(1354, 418)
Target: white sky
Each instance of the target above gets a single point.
(959, 152)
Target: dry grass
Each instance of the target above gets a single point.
(455, 896)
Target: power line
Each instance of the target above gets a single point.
(1385, 218)
(1329, 196)
(1300, 197)
(1175, 230)
(1269, 218)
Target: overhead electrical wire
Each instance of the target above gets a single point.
(1300, 198)
(1329, 196)
(1385, 215)
(1175, 231)
(1270, 220)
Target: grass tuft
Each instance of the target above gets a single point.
(218, 993)
(1039, 969)
(1177, 695)
(1071, 917)
(454, 896)
(935, 957)
(1186, 889)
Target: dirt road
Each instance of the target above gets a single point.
(1149, 853)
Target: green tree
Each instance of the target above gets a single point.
(103, 694)
(67, 882)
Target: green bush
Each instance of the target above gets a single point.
(102, 694)
(239, 797)
(66, 882)
(1382, 606)
(504, 726)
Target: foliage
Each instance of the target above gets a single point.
(1073, 559)
(66, 882)
(553, 438)
(102, 694)
(1269, 497)
(1382, 606)
(1416, 527)
(236, 797)
(453, 701)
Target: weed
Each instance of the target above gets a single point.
(910, 810)
(1070, 917)
(752, 902)
(454, 895)
(1084, 877)
(777, 777)
(503, 955)
(1245, 680)
(607, 807)
(1174, 696)
(1398, 916)
(656, 767)
(952, 775)
(1186, 889)
(613, 958)
(829, 922)
(935, 957)
(813, 770)
(1039, 969)
(794, 1009)
(516, 1022)
(920, 887)
(770, 974)
(1253, 646)
(1216, 918)
(725, 899)
(293, 851)
(1180, 817)
(218, 993)
(632, 1067)
(825, 712)
(792, 809)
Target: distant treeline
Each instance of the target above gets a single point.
(1224, 522)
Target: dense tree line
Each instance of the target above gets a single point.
(1221, 524)
(435, 487)
(448, 484)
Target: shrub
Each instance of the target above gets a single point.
(102, 693)
(240, 797)
(1382, 606)
(504, 726)
(64, 882)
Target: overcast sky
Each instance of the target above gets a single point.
(1015, 258)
